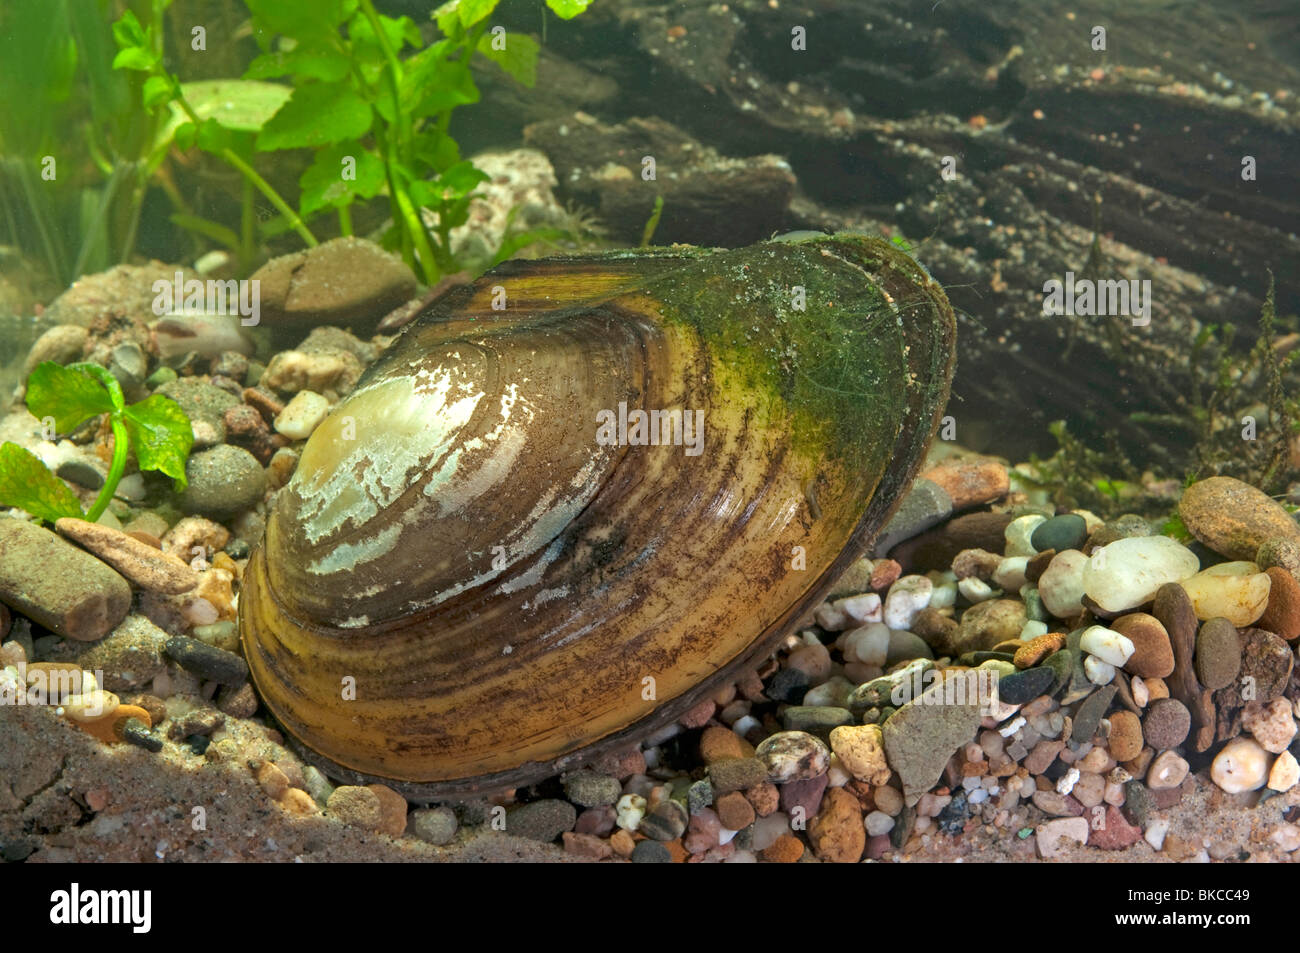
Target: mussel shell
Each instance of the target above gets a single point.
(462, 590)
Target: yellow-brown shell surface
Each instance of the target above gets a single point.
(463, 587)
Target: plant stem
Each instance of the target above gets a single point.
(345, 220)
(115, 470)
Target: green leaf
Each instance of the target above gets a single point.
(471, 11)
(127, 31)
(297, 19)
(158, 90)
(136, 58)
(316, 115)
(213, 136)
(160, 435)
(69, 396)
(306, 62)
(567, 9)
(462, 178)
(324, 186)
(244, 105)
(27, 484)
(519, 58)
(185, 135)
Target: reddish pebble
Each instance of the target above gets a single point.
(786, 849)
(1282, 617)
(734, 811)
(598, 821)
(698, 716)
(884, 573)
(1113, 832)
(764, 797)
(586, 845)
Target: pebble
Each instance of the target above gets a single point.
(1267, 661)
(589, 789)
(543, 820)
(986, 624)
(1038, 648)
(793, 756)
(736, 774)
(129, 657)
(922, 735)
(651, 852)
(925, 505)
(1089, 714)
(586, 845)
(861, 750)
(57, 585)
(868, 644)
(1218, 653)
(222, 481)
(908, 596)
(206, 661)
(1055, 837)
(193, 533)
(1127, 573)
(1024, 686)
(1234, 591)
(1285, 772)
(813, 660)
(895, 688)
(1282, 615)
(837, 834)
(1060, 533)
(1234, 518)
(786, 685)
(816, 720)
(903, 647)
(629, 811)
(764, 797)
(802, 799)
(719, 744)
(878, 823)
(1060, 587)
(204, 404)
(1106, 644)
(1166, 724)
(1153, 653)
(1167, 771)
(1019, 534)
(970, 481)
(1098, 672)
(302, 415)
(734, 811)
(976, 564)
(833, 693)
(147, 567)
(1242, 765)
(786, 849)
(1125, 736)
(599, 821)
(1113, 832)
(1281, 553)
(1272, 723)
(356, 806)
(666, 821)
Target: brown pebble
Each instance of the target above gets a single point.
(622, 843)
(786, 849)
(586, 845)
(718, 744)
(272, 780)
(1038, 564)
(970, 481)
(884, 573)
(142, 564)
(1125, 736)
(356, 806)
(1166, 724)
(1037, 649)
(1282, 616)
(837, 833)
(298, 802)
(1153, 653)
(392, 809)
(154, 705)
(97, 799)
(237, 702)
(764, 797)
(734, 810)
(698, 716)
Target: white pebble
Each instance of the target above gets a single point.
(745, 725)
(1068, 781)
(1107, 644)
(1126, 573)
(878, 822)
(1061, 584)
(832, 619)
(860, 609)
(1010, 574)
(1155, 833)
(907, 596)
(1032, 629)
(1018, 533)
(1009, 729)
(1098, 672)
(1284, 773)
(868, 644)
(1242, 765)
(1141, 694)
(944, 596)
(976, 590)
(630, 810)
(978, 796)
(302, 415)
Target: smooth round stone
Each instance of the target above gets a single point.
(868, 644)
(1234, 518)
(666, 822)
(793, 756)
(1236, 591)
(1098, 672)
(1241, 766)
(1166, 724)
(817, 720)
(651, 852)
(988, 623)
(1060, 587)
(1060, 533)
(1126, 573)
(1106, 644)
(1282, 616)
(589, 789)
(1153, 653)
(222, 481)
(1062, 665)
(1282, 553)
(1218, 654)
(1022, 687)
(1125, 736)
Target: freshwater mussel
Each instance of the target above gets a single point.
(484, 571)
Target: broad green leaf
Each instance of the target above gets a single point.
(157, 90)
(135, 57)
(69, 396)
(323, 183)
(127, 30)
(298, 19)
(462, 178)
(244, 105)
(471, 11)
(519, 58)
(325, 64)
(27, 484)
(567, 9)
(316, 115)
(437, 150)
(160, 435)
(185, 135)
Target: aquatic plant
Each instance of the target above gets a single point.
(371, 100)
(155, 428)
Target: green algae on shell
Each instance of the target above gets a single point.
(463, 588)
